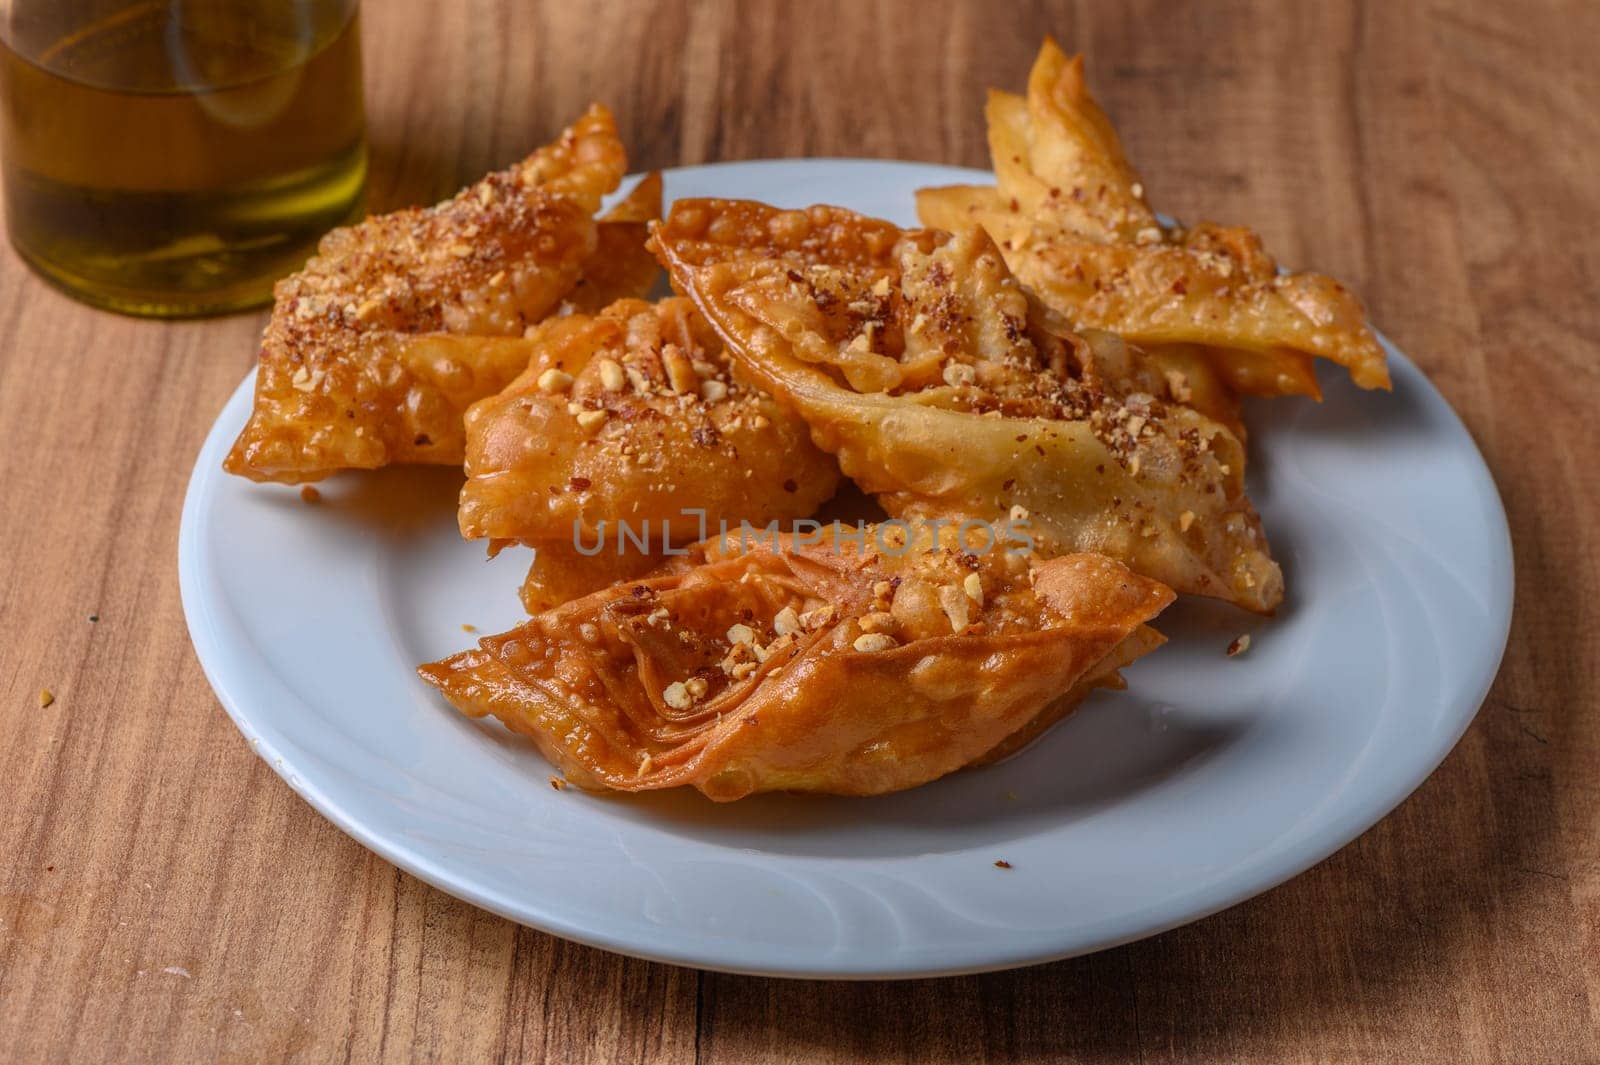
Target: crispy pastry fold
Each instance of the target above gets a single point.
(375, 350)
(1071, 216)
(949, 393)
(851, 665)
(631, 415)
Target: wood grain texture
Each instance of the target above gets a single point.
(163, 897)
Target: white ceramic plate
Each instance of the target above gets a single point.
(1210, 780)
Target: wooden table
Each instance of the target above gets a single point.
(163, 896)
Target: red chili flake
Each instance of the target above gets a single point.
(1001, 863)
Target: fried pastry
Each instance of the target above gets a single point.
(948, 392)
(375, 350)
(630, 416)
(855, 664)
(1071, 216)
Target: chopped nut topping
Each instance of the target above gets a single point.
(972, 584)
(558, 783)
(786, 621)
(881, 286)
(46, 697)
(1178, 385)
(611, 376)
(815, 619)
(696, 687)
(309, 493)
(874, 641)
(1239, 646)
(1019, 513)
(742, 634)
(743, 670)
(588, 631)
(713, 391)
(590, 419)
(676, 695)
(554, 380)
(956, 606)
(1185, 520)
(759, 422)
(680, 373)
(878, 621)
(638, 380)
(957, 374)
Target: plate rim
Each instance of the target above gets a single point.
(714, 956)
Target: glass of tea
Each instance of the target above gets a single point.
(175, 157)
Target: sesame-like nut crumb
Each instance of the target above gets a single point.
(713, 391)
(611, 376)
(1239, 646)
(468, 628)
(309, 494)
(676, 695)
(1133, 466)
(554, 380)
(786, 621)
(972, 584)
(874, 641)
(590, 419)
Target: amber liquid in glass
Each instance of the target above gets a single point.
(176, 158)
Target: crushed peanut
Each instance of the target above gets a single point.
(1185, 520)
(874, 641)
(956, 606)
(786, 621)
(815, 619)
(957, 374)
(46, 697)
(741, 634)
(590, 419)
(713, 391)
(696, 687)
(676, 695)
(972, 584)
(611, 376)
(878, 621)
(1239, 646)
(554, 380)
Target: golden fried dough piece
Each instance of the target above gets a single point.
(560, 573)
(353, 371)
(631, 415)
(847, 666)
(1071, 217)
(945, 390)
(620, 267)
